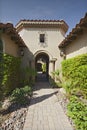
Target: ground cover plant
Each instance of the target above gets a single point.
(77, 111)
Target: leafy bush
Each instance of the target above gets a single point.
(67, 85)
(27, 90)
(9, 73)
(20, 94)
(75, 71)
(77, 111)
(56, 82)
(56, 74)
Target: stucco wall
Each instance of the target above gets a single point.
(77, 47)
(27, 58)
(9, 46)
(53, 38)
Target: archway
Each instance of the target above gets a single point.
(42, 66)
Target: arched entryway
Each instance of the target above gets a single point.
(42, 66)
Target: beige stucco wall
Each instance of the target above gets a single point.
(53, 37)
(77, 47)
(9, 46)
(27, 58)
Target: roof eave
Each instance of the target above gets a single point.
(10, 30)
(78, 30)
(43, 24)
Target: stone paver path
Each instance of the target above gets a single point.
(45, 112)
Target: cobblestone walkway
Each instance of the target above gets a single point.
(44, 112)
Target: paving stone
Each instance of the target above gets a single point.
(45, 112)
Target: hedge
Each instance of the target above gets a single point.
(75, 70)
(9, 73)
(77, 111)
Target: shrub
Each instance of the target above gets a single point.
(56, 74)
(20, 94)
(77, 111)
(9, 73)
(56, 82)
(27, 90)
(75, 71)
(67, 85)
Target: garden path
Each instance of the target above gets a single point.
(45, 112)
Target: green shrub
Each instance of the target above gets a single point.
(9, 73)
(77, 111)
(57, 82)
(75, 71)
(27, 90)
(67, 85)
(70, 65)
(56, 73)
(20, 94)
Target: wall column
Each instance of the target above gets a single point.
(52, 67)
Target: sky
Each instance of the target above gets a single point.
(71, 11)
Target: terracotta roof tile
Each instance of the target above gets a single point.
(11, 31)
(32, 20)
(24, 22)
(75, 32)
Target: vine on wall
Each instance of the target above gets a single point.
(9, 73)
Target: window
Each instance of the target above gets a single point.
(42, 38)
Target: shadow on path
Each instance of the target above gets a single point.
(39, 99)
(41, 92)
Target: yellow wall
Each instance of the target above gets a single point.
(9, 46)
(77, 47)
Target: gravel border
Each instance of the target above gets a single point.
(17, 117)
(63, 101)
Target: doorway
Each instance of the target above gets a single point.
(42, 67)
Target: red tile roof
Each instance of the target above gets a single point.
(24, 20)
(75, 32)
(41, 23)
(11, 31)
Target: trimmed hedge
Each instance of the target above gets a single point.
(9, 73)
(75, 71)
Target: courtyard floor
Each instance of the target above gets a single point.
(45, 112)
